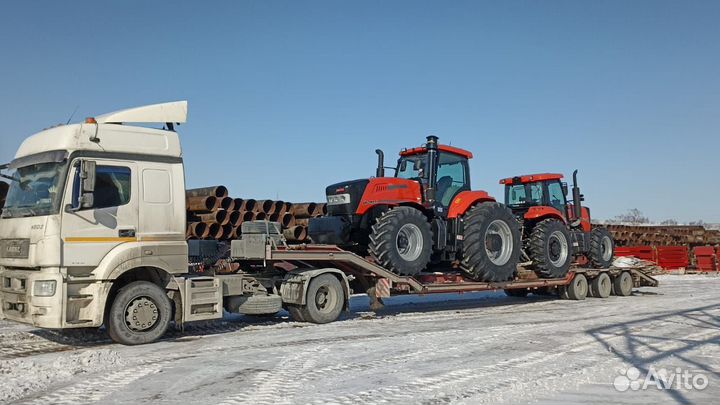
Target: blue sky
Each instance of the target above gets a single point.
(287, 97)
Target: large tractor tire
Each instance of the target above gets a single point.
(602, 248)
(140, 313)
(401, 241)
(550, 248)
(491, 242)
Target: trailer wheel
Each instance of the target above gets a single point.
(602, 248)
(622, 285)
(491, 242)
(140, 313)
(516, 292)
(577, 289)
(401, 241)
(601, 286)
(324, 301)
(550, 249)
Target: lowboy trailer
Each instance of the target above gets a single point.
(93, 234)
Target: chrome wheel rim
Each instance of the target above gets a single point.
(141, 314)
(558, 249)
(498, 242)
(409, 242)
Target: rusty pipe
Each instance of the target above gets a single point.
(215, 230)
(219, 216)
(248, 205)
(259, 216)
(239, 203)
(303, 210)
(295, 234)
(227, 231)
(246, 216)
(234, 218)
(214, 191)
(302, 221)
(199, 230)
(201, 204)
(287, 220)
(265, 206)
(279, 205)
(224, 203)
(273, 217)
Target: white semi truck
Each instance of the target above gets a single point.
(93, 234)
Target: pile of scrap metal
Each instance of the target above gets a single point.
(662, 235)
(214, 215)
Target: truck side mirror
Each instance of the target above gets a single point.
(83, 187)
(564, 188)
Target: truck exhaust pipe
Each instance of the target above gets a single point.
(380, 172)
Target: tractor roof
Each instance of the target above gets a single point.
(444, 148)
(531, 178)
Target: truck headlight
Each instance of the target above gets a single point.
(338, 199)
(45, 288)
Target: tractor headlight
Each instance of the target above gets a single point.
(338, 199)
(45, 288)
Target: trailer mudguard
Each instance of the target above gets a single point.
(294, 287)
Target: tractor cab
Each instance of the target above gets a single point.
(443, 172)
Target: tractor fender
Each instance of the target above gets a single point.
(294, 287)
(539, 213)
(466, 200)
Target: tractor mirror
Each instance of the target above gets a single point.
(564, 188)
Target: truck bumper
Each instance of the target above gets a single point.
(334, 230)
(17, 302)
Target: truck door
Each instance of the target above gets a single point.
(90, 234)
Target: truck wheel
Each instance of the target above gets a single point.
(601, 286)
(517, 292)
(623, 284)
(550, 248)
(325, 300)
(577, 289)
(401, 241)
(602, 248)
(140, 313)
(491, 243)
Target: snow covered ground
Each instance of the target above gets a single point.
(465, 349)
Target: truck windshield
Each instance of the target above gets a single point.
(35, 190)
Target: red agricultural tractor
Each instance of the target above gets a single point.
(554, 231)
(425, 213)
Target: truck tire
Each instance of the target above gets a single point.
(140, 313)
(622, 284)
(254, 304)
(491, 242)
(577, 289)
(401, 241)
(516, 292)
(550, 248)
(602, 248)
(601, 286)
(324, 301)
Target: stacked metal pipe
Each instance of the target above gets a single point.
(212, 214)
(649, 235)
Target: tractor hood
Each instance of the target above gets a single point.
(344, 198)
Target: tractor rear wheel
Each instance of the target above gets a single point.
(401, 241)
(491, 242)
(602, 248)
(550, 249)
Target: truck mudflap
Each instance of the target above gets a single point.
(294, 287)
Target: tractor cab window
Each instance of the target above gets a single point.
(515, 196)
(451, 177)
(411, 167)
(556, 196)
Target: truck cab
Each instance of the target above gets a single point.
(88, 204)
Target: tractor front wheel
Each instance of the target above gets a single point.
(550, 249)
(491, 242)
(602, 248)
(401, 241)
